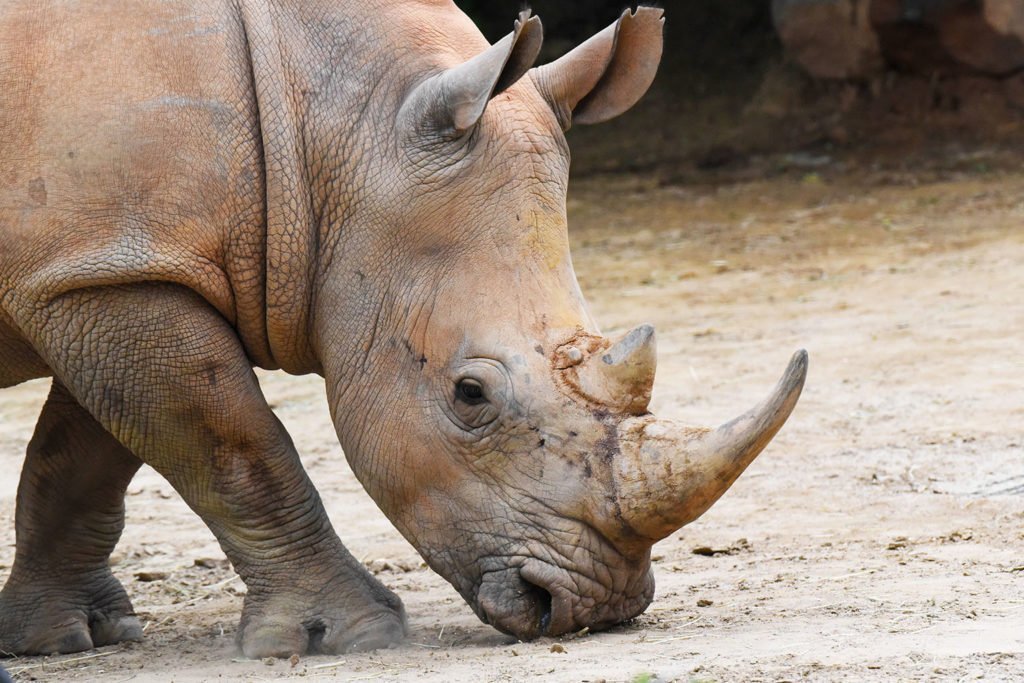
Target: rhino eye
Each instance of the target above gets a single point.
(470, 392)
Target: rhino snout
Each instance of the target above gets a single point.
(539, 599)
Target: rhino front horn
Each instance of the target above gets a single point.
(667, 474)
(620, 377)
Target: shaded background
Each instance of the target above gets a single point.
(716, 56)
(729, 103)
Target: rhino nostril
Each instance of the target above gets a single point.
(545, 619)
(542, 598)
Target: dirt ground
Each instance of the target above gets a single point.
(879, 537)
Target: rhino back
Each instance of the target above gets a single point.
(129, 152)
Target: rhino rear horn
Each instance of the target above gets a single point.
(607, 74)
(453, 101)
(621, 377)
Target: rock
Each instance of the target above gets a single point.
(209, 562)
(855, 39)
(1013, 88)
(908, 35)
(831, 39)
(898, 543)
(951, 36)
(780, 93)
(987, 36)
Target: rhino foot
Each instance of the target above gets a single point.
(282, 627)
(54, 617)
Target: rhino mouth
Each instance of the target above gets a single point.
(536, 599)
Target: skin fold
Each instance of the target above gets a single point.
(367, 191)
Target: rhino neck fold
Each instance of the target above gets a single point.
(291, 232)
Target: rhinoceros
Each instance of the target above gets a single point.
(368, 191)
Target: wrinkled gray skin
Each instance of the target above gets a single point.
(188, 190)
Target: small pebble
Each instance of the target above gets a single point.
(206, 562)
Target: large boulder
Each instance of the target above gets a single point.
(830, 39)
(850, 39)
(987, 36)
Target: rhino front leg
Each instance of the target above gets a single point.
(168, 377)
(61, 595)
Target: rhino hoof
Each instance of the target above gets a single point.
(273, 638)
(384, 631)
(53, 640)
(34, 621)
(70, 633)
(106, 631)
(277, 637)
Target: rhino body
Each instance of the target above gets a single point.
(368, 191)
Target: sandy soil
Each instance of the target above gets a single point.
(880, 537)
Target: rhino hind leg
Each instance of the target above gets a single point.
(61, 595)
(169, 378)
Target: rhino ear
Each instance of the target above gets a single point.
(606, 75)
(453, 101)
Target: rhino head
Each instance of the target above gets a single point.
(473, 393)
